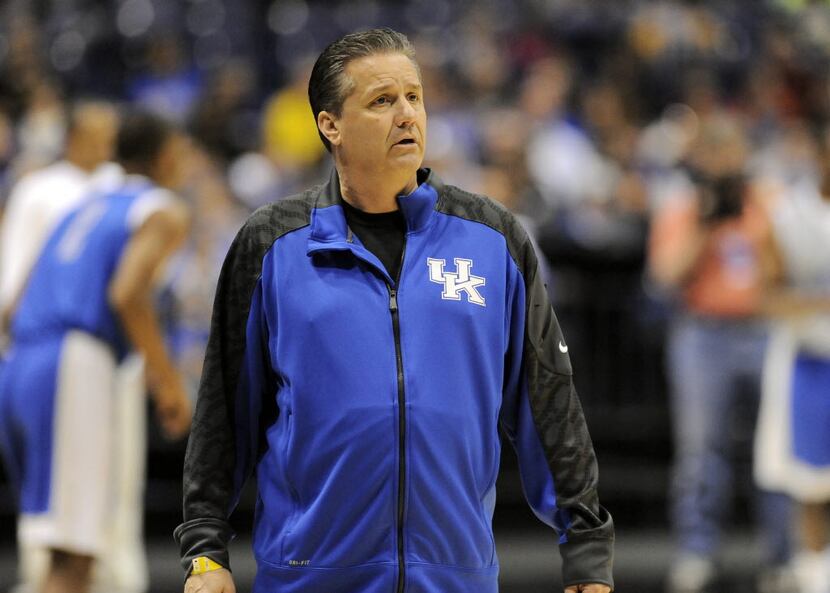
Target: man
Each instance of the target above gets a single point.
(369, 339)
(708, 247)
(36, 205)
(87, 302)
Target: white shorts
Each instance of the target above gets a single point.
(792, 448)
(59, 409)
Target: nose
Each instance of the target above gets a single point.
(406, 114)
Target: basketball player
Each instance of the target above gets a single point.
(37, 203)
(87, 304)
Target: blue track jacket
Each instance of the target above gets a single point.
(370, 407)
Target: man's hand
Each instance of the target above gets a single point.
(173, 408)
(216, 581)
(588, 588)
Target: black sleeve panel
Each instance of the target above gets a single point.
(557, 413)
(210, 468)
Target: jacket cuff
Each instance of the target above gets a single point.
(203, 537)
(590, 559)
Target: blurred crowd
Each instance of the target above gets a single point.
(579, 115)
(585, 117)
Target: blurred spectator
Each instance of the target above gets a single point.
(504, 137)
(40, 132)
(505, 177)
(194, 271)
(452, 127)
(225, 120)
(483, 64)
(707, 245)
(792, 445)
(593, 195)
(563, 162)
(289, 130)
(22, 67)
(168, 85)
(289, 141)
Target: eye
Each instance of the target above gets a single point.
(414, 97)
(382, 100)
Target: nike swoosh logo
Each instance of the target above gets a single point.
(562, 347)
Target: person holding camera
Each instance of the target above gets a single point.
(707, 247)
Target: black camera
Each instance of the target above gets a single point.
(720, 197)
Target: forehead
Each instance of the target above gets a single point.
(96, 119)
(377, 70)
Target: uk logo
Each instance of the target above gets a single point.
(456, 282)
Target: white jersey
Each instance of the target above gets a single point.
(802, 231)
(36, 204)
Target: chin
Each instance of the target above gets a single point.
(408, 161)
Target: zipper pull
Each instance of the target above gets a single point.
(393, 299)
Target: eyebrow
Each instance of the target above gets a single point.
(373, 89)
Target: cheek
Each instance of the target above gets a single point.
(366, 134)
(172, 170)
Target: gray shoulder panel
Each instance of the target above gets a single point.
(477, 208)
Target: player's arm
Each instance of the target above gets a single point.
(542, 416)
(131, 296)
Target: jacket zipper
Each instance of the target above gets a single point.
(396, 330)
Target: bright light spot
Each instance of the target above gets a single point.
(287, 18)
(135, 17)
(67, 50)
(253, 179)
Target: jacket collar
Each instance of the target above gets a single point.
(328, 223)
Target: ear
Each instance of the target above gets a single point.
(328, 125)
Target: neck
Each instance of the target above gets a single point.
(371, 194)
(85, 165)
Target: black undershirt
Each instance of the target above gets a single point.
(381, 233)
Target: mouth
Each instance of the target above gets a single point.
(405, 142)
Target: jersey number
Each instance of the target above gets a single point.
(73, 241)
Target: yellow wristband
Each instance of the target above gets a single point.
(203, 564)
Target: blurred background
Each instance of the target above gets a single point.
(579, 115)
